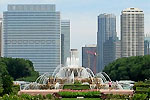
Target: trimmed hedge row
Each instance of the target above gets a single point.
(140, 97)
(115, 97)
(90, 94)
(76, 87)
(141, 87)
(27, 97)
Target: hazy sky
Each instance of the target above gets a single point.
(83, 15)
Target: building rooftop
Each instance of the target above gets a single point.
(132, 10)
(31, 7)
(91, 45)
(106, 15)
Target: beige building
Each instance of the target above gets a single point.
(132, 32)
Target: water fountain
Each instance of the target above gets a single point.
(69, 74)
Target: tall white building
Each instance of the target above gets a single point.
(132, 32)
(33, 31)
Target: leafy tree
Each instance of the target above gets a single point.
(136, 68)
(7, 83)
(2, 71)
(19, 68)
(15, 68)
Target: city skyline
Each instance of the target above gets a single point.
(75, 11)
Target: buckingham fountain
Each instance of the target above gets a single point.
(69, 74)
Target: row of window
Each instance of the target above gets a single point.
(30, 42)
(31, 13)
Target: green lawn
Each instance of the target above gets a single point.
(81, 99)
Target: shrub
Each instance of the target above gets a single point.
(115, 96)
(15, 89)
(48, 96)
(26, 97)
(76, 87)
(139, 96)
(88, 94)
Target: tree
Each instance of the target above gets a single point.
(7, 83)
(15, 68)
(19, 68)
(136, 68)
(2, 71)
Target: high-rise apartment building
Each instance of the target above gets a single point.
(89, 57)
(65, 40)
(33, 31)
(132, 32)
(106, 37)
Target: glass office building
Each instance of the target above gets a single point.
(65, 40)
(33, 32)
(0, 36)
(106, 37)
(89, 57)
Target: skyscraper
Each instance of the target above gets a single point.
(147, 44)
(118, 48)
(106, 36)
(0, 36)
(89, 57)
(132, 32)
(32, 31)
(65, 40)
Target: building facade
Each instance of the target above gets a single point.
(89, 57)
(74, 52)
(0, 36)
(147, 45)
(32, 31)
(106, 36)
(132, 32)
(65, 40)
(118, 48)
(109, 51)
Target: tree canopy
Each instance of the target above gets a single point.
(136, 68)
(17, 69)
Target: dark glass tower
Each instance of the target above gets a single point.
(106, 37)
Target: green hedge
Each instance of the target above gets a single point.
(81, 99)
(141, 87)
(140, 97)
(88, 94)
(27, 97)
(15, 89)
(76, 87)
(115, 97)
